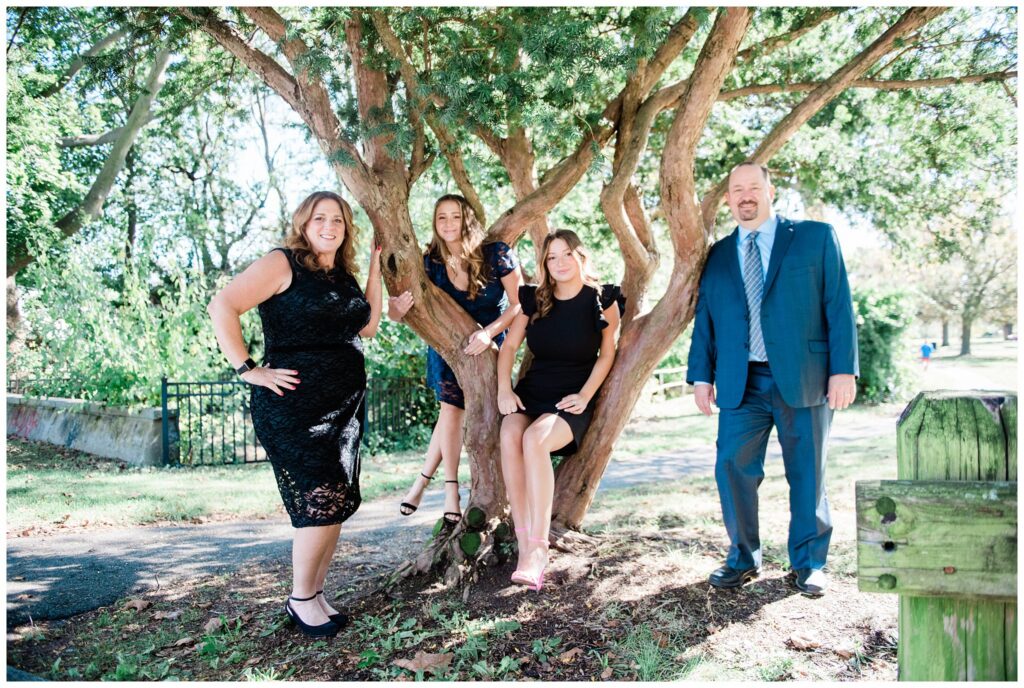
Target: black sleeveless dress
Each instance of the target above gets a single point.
(312, 433)
(565, 344)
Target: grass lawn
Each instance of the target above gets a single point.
(51, 488)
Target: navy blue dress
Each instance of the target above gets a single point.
(489, 304)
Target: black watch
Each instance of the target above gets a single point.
(247, 365)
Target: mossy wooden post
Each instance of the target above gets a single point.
(958, 436)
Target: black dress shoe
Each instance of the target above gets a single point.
(810, 582)
(326, 630)
(339, 618)
(728, 577)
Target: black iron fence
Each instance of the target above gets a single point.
(214, 425)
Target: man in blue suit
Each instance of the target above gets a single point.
(775, 333)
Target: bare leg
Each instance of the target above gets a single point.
(514, 473)
(307, 552)
(546, 434)
(325, 562)
(430, 464)
(449, 428)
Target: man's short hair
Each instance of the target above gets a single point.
(751, 163)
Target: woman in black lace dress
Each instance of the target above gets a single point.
(570, 323)
(307, 398)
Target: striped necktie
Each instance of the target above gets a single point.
(753, 282)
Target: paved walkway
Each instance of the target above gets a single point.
(54, 577)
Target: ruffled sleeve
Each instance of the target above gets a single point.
(503, 258)
(609, 294)
(528, 299)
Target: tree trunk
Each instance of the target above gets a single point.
(13, 317)
(945, 333)
(965, 335)
(133, 210)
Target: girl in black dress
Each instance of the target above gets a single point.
(483, 278)
(570, 323)
(307, 397)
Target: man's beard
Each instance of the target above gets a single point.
(747, 212)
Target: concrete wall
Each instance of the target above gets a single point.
(130, 436)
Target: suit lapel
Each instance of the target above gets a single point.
(783, 237)
(734, 263)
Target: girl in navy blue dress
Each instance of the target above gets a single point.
(569, 322)
(483, 278)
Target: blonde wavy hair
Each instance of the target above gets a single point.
(546, 289)
(472, 245)
(296, 238)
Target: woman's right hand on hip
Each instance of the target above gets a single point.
(272, 378)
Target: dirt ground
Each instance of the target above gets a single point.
(633, 605)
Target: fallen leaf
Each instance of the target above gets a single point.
(712, 629)
(570, 656)
(800, 641)
(159, 616)
(137, 604)
(252, 660)
(424, 661)
(204, 605)
(184, 641)
(613, 623)
(213, 625)
(843, 653)
(607, 673)
(660, 638)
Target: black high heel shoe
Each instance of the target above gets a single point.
(452, 518)
(406, 508)
(339, 618)
(327, 630)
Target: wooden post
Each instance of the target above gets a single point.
(967, 436)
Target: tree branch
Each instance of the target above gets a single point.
(880, 84)
(92, 204)
(449, 146)
(806, 25)
(267, 68)
(911, 20)
(80, 62)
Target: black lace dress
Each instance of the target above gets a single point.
(565, 344)
(312, 433)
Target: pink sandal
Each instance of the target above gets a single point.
(518, 576)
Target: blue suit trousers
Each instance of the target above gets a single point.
(739, 469)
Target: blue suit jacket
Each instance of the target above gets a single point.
(807, 317)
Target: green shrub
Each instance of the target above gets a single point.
(883, 317)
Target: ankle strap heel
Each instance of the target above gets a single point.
(304, 599)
